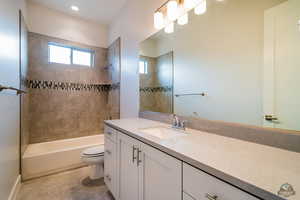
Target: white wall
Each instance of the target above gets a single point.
(9, 102)
(133, 24)
(149, 48)
(53, 23)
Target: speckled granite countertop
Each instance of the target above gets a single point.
(257, 169)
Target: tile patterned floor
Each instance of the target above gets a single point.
(63, 186)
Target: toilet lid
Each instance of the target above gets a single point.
(98, 150)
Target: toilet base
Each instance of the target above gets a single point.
(97, 171)
(88, 182)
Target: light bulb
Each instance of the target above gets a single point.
(201, 8)
(172, 10)
(158, 20)
(75, 8)
(169, 28)
(189, 4)
(183, 19)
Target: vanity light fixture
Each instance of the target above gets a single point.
(201, 8)
(75, 8)
(159, 21)
(184, 19)
(189, 4)
(172, 10)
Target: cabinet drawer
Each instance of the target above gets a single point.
(110, 133)
(199, 185)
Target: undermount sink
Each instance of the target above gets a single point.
(163, 133)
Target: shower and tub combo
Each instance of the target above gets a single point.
(65, 105)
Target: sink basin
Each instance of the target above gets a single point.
(162, 132)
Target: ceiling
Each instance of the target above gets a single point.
(102, 11)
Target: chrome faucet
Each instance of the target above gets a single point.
(177, 123)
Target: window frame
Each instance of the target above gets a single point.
(72, 48)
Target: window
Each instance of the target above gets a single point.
(143, 66)
(82, 58)
(59, 54)
(70, 55)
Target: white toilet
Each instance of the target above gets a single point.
(94, 157)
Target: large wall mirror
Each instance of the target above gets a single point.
(239, 62)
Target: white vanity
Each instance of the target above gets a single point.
(193, 166)
(135, 170)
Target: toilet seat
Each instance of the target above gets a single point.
(93, 151)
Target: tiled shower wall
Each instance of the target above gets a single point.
(67, 101)
(156, 87)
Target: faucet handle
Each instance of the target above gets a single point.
(175, 120)
(183, 124)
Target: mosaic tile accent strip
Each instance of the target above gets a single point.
(53, 85)
(156, 89)
(115, 86)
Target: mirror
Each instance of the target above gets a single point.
(156, 82)
(238, 62)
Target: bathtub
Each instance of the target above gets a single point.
(51, 157)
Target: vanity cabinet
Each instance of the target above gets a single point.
(199, 185)
(137, 171)
(110, 160)
(143, 172)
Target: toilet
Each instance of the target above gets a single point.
(94, 157)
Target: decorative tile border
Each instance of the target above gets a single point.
(66, 86)
(115, 86)
(156, 89)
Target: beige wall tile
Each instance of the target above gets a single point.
(61, 114)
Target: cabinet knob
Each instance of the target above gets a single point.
(211, 197)
(108, 152)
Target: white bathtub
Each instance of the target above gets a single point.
(51, 157)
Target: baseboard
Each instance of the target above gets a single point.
(15, 190)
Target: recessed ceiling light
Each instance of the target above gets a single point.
(75, 8)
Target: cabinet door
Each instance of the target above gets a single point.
(110, 165)
(160, 175)
(127, 166)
